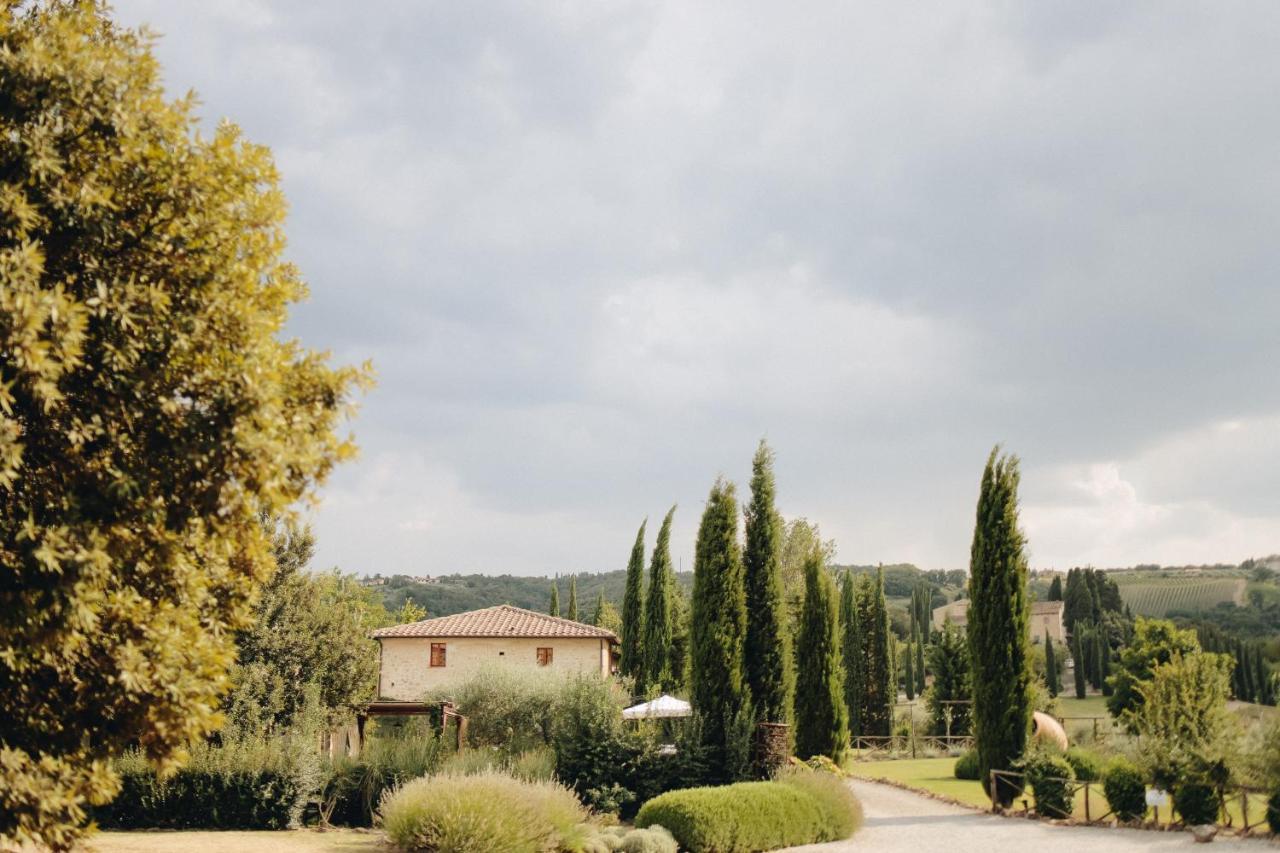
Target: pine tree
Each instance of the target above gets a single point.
(718, 625)
(768, 656)
(851, 647)
(919, 643)
(573, 597)
(909, 677)
(998, 625)
(1077, 665)
(632, 652)
(1051, 667)
(822, 721)
(554, 609)
(878, 691)
(659, 607)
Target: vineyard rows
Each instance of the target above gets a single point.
(1159, 598)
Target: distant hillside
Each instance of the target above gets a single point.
(448, 594)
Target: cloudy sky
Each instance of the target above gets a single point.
(596, 250)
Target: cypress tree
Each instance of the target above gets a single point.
(768, 655)
(822, 721)
(909, 677)
(851, 648)
(998, 625)
(1104, 663)
(573, 597)
(632, 652)
(1078, 602)
(658, 615)
(1096, 660)
(949, 659)
(554, 609)
(1055, 588)
(718, 625)
(598, 616)
(1260, 679)
(1077, 666)
(1051, 667)
(878, 691)
(919, 641)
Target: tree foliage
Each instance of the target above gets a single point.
(659, 629)
(877, 692)
(150, 410)
(1185, 731)
(1155, 641)
(768, 652)
(718, 624)
(948, 697)
(822, 720)
(998, 624)
(1051, 679)
(632, 652)
(573, 597)
(851, 652)
(554, 607)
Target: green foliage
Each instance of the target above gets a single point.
(1273, 812)
(573, 597)
(355, 786)
(308, 629)
(505, 707)
(1125, 789)
(1055, 589)
(655, 839)
(487, 811)
(150, 410)
(1155, 642)
(909, 672)
(949, 658)
(631, 660)
(877, 691)
(554, 607)
(821, 718)
(967, 766)
(719, 621)
(1185, 731)
(1086, 765)
(659, 615)
(240, 785)
(1051, 677)
(1050, 777)
(851, 652)
(998, 624)
(800, 538)
(1197, 802)
(606, 615)
(1077, 668)
(751, 816)
(767, 648)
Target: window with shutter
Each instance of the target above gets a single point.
(544, 656)
(437, 654)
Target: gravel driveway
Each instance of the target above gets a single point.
(898, 820)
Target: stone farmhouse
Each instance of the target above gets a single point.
(1046, 618)
(419, 656)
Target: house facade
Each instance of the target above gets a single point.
(1045, 618)
(420, 656)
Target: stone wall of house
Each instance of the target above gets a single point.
(406, 671)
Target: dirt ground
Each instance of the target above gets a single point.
(288, 841)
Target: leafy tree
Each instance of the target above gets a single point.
(998, 625)
(573, 597)
(800, 539)
(1185, 731)
(768, 652)
(1155, 641)
(718, 625)
(1055, 588)
(308, 630)
(658, 627)
(606, 615)
(822, 720)
(951, 691)
(1051, 667)
(150, 410)
(633, 610)
(852, 655)
(877, 691)
(554, 609)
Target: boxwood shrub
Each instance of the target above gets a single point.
(1197, 802)
(1050, 779)
(967, 765)
(1125, 790)
(1086, 764)
(803, 808)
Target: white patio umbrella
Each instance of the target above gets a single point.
(663, 707)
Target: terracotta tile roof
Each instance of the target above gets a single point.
(501, 621)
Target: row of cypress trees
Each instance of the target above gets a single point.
(648, 620)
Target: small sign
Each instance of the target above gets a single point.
(1157, 797)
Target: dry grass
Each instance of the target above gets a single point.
(286, 841)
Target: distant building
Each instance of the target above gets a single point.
(1046, 618)
(418, 656)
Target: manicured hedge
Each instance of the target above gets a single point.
(1125, 789)
(749, 816)
(204, 799)
(967, 765)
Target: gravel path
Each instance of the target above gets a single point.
(898, 820)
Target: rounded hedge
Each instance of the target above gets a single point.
(1197, 802)
(967, 766)
(802, 809)
(1125, 790)
(1087, 765)
(1050, 778)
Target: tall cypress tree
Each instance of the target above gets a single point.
(554, 609)
(951, 690)
(718, 625)
(1051, 667)
(1055, 588)
(878, 689)
(919, 641)
(998, 625)
(632, 656)
(598, 616)
(1077, 666)
(573, 597)
(822, 721)
(1104, 663)
(851, 647)
(659, 613)
(909, 677)
(768, 656)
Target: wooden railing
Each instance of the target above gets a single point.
(898, 744)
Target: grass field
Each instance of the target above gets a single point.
(285, 841)
(1150, 596)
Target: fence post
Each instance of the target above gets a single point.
(1244, 807)
(1087, 819)
(995, 807)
